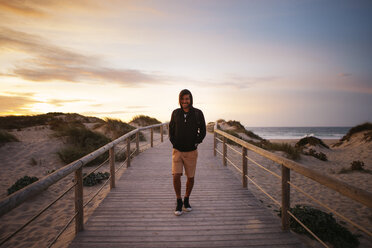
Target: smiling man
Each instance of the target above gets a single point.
(187, 129)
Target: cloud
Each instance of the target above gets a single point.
(16, 104)
(236, 82)
(45, 8)
(344, 74)
(60, 103)
(49, 62)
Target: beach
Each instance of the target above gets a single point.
(39, 143)
(338, 158)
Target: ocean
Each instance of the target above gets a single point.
(299, 132)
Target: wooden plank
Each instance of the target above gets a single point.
(139, 212)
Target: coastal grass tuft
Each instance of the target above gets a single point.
(24, 121)
(367, 126)
(21, 183)
(356, 165)
(118, 128)
(323, 225)
(313, 141)
(6, 137)
(80, 141)
(290, 151)
(144, 120)
(319, 155)
(95, 178)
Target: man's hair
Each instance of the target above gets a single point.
(182, 93)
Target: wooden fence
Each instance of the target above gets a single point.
(17, 198)
(287, 165)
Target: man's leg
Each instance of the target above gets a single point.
(177, 184)
(189, 186)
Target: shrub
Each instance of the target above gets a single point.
(144, 120)
(367, 126)
(21, 183)
(322, 225)
(311, 141)
(95, 178)
(357, 165)
(80, 142)
(6, 137)
(291, 152)
(33, 161)
(119, 128)
(318, 155)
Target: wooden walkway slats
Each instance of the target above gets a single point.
(139, 212)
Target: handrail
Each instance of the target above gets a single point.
(22, 195)
(33, 189)
(345, 189)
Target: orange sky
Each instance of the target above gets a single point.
(276, 63)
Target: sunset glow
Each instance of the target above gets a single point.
(265, 63)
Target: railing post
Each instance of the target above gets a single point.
(137, 143)
(285, 197)
(128, 152)
(161, 133)
(224, 151)
(79, 209)
(152, 137)
(244, 165)
(214, 143)
(112, 167)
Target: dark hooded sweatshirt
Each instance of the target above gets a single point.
(183, 133)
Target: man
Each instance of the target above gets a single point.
(187, 129)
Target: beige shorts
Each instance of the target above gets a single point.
(184, 159)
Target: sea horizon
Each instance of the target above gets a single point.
(322, 132)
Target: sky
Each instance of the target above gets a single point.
(264, 63)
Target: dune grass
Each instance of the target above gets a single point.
(119, 128)
(313, 141)
(322, 224)
(80, 141)
(6, 137)
(290, 151)
(144, 120)
(19, 122)
(367, 126)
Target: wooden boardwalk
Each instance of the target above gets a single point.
(139, 212)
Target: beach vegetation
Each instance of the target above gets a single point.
(144, 120)
(313, 141)
(367, 126)
(323, 225)
(21, 183)
(355, 166)
(95, 178)
(24, 121)
(290, 151)
(80, 141)
(319, 155)
(6, 137)
(33, 161)
(118, 128)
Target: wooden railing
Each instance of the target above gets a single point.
(287, 165)
(17, 198)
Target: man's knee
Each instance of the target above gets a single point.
(191, 179)
(176, 175)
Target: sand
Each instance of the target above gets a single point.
(39, 144)
(338, 158)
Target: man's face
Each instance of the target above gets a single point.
(185, 101)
